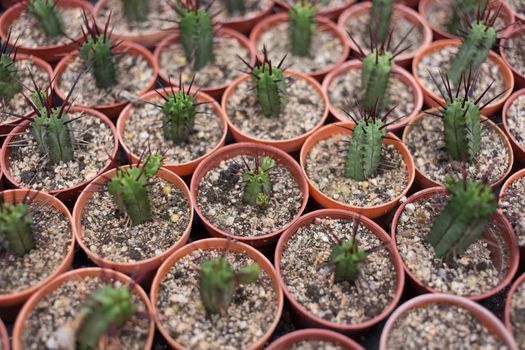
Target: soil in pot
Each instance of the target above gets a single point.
(315, 345)
(441, 326)
(325, 168)
(517, 315)
(94, 140)
(515, 51)
(303, 111)
(516, 120)
(252, 9)
(513, 207)
(517, 6)
(60, 307)
(325, 5)
(473, 273)
(182, 313)
(220, 199)
(309, 275)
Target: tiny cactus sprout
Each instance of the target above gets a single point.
(9, 78)
(302, 24)
(218, 281)
(258, 185)
(380, 18)
(464, 218)
(47, 16)
(135, 10)
(15, 228)
(235, 7)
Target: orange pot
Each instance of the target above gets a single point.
(399, 10)
(9, 303)
(245, 24)
(50, 53)
(323, 24)
(78, 275)
(252, 149)
(112, 110)
(313, 334)
(508, 303)
(137, 268)
(68, 193)
(4, 336)
(326, 202)
(331, 12)
(519, 151)
(508, 235)
(485, 317)
(181, 169)
(289, 145)
(308, 318)
(213, 91)
(399, 72)
(514, 31)
(221, 244)
(425, 182)
(431, 98)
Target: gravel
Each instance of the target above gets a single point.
(515, 52)
(182, 313)
(327, 4)
(315, 345)
(517, 6)
(441, 326)
(220, 199)
(302, 113)
(513, 207)
(516, 120)
(517, 315)
(253, 8)
(426, 143)
(325, 168)
(472, 273)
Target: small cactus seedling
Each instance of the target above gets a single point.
(218, 281)
(464, 218)
(9, 77)
(47, 16)
(302, 25)
(380, 18)
(135, 10)
(15, 228)
(235, 7)
(257, 182)
(129, 188)
(459, 9)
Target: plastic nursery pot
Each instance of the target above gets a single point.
(397, 71)
(214, 91)
(93, 272)
(244, 24)
(137, 267)
(220, 244)
(50, 53)
(485, 317)
(252, 149)
(399, 11)
(68, 193)
(513, 32)
(289, 145)
(181, 169)
(4, 337)
(308, 318)
(112, 110)
(519, 151)
(331, 12)
(314, 334)
(432, 98)
(323, 24)
(508, 303)
(508, 235)
(425, 182)
(328, 131)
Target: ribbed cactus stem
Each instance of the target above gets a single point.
(380, 18)
(301, 27)
(462, 128)
(97, 54)
(271, 88)
(464, 218)
(258, 185)
(15, 228)
(196, 36)
(9, 78)
(179, 116)
(375, 77)
(135, 10)
(347, 258)
(47, 16)
(235, 7)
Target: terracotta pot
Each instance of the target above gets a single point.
(519, 151)
(329, 12)
(67, 193)
(4, 337)
(8, 3)
(78, 275)
(485, 317)
(253, 149)
(513, 32)
(410, 3)
(508, 235)
(112, 110)
(399, 73)
(181, 169)
(213, 91)
(399, 10)
(137, 268)
(288, 145)
(508, 303)
(212, 244)
(326, 202)
(441, 33)
(313, 334)
(431, 97)
(323, 24)
(425, 182)
(246, 23)
(50, 53)
(309, 318)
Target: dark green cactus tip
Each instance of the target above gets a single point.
(47, 16)
(235, 7)
(135, 10)
(257, 182)
(464, 218)
(347, 258)
(459, 9)
(380, 18)
(16, 233)
(218, 281)
(375, 77)
(301, 27)
(179, 111)
(107, 308)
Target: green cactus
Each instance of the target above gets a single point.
(258, 185)
(301, 27)
(135, 10)
(16, 233)
(218, 281)
(347, 258)
(107, 307)
(47, 16)
(129, 188)
(235, 7)
(375, 77)
(380, 18)
(459, 9)
(9, 78)
(464, 218)
(178, 115)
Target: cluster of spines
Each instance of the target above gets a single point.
(459, 9)
(135, 10)
(9, 78)
(16, 233)
(47, 15)
(380, 18)
(257, 181)
(301, 27)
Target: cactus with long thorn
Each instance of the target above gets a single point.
(301, 27)
(135, 10)
(16, 232)
(257, 181)
(380, 18)
(47, 16)
(459, 9)
(235, 7)
(179, 111)
(9, 78)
